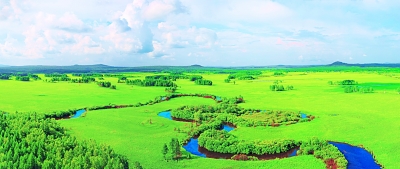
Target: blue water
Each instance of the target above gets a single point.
(303, 116)
(165, 114)
(193, 147)
(357, 157)
(78, 113)
(227, 128)
(163, 98)
(293, 153)
(217, 98)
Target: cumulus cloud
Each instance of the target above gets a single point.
(158, 50)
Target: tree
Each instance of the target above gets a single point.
(138, 165)
(165, 151)
(227, 80)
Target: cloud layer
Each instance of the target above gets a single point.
(185, 32)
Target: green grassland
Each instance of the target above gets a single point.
(368, 119)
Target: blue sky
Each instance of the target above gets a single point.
(206, 32)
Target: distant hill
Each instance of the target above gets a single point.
(338, 63)
(101, 68)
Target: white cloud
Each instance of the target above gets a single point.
(158, 50)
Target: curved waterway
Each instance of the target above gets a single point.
(193, 146)
(357, 157)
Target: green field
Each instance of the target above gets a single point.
(368, 119)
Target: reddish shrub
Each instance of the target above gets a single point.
(331, 164)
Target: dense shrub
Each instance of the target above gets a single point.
(222, 142)
(203, 82)
(323, 150)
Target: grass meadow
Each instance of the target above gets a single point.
(368, 119)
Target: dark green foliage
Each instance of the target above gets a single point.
(151, 82)
(87, 74)
(122, 79)
(352, 89)
(113, 87)
(223, 142)
(195, 77)
(343, 82)
(323, 150)
(55, 75)
(277, 87)
(4, 77)
(203, 82)
(173, 151)
(32, 141)
(165, 151)
(84, 79)
(34, 77)
(278, 74)
(171, 89)
(227, 80)
(245, 75)
(104, 84)
(22, 78)
(137, 165)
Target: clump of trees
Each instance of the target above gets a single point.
(55, 75)
(343, 82)
(4, 77)
(106, 85)
(245, 75)
(32, 141)
(279, 74)
(87, 74)
(323, 150)
(84, 79)
(22, 78)
(227, 80)
(353, 89)
(223, 142)
(170, 89)
(172, 150)
(151, 82)
(122, 79)
(203, 82)
(278, 87)
(195, 77)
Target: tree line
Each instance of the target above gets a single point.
(343, 82)
(149, 82)
(353, 89)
